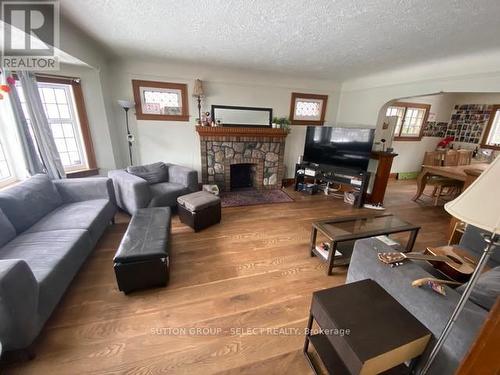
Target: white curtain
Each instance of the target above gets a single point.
(41, 129)
(30, 152)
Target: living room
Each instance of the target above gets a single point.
(155, 257)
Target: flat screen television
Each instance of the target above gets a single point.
(348, 148)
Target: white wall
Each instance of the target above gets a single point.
(363, 98)
(411, 153)
(178, 142)
(94, 72)
(477, 98)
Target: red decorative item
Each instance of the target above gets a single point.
(11, 80)
(445, 142)
(5, 88)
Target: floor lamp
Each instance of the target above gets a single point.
(198, 94)
(478, 205)
(126, 105)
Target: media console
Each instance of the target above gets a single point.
(358, 180)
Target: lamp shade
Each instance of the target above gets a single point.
(479, 204)
(126, 104)
(198, 88)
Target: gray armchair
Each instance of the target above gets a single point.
(154, 185)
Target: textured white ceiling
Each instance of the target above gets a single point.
(334, 39)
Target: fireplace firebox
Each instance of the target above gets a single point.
(242, 175)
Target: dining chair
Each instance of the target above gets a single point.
(443, 186)
(450, 158)
(433, 158)
(464, 157)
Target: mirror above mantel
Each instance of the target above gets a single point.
(236, 116)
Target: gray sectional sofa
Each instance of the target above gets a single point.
(47, 230)
(152, 185)
(431, 309)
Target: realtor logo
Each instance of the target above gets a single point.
(30, 35)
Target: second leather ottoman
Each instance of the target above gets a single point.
(199, 210)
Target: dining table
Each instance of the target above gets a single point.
(455, 172)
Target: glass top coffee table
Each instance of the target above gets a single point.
(341, 232)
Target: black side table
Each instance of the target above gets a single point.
(378, 333)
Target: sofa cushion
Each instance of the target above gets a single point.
(166, 193)
(198, 201)
(7, 230)
(54, 258)
(486, 290)
(93, 215)
(27, 202)
(152, 173)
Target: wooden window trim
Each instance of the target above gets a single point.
(83, 173)
(298, 95)
(427, 108)
(137, 84)
(81, 112)
(487, 130)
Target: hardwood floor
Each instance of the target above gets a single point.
(251, 271)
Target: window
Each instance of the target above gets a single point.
(62, 101)
(491, 137)
(308, 109)
(163, 101)
(412, 118)
(5, 173)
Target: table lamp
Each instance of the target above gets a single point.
(126, 105)
(198, 93)
(478, 205)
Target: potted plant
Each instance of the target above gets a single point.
(275, 122)
(284, 123)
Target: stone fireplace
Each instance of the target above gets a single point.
(259, 150)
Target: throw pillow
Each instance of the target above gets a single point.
(486, 290)
(152, 173)
(27, 202)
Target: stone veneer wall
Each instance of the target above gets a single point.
(218, 153)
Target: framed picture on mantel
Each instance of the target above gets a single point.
(233, 116)
(308, 109)
(162, 101)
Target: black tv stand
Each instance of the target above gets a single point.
(358, 180)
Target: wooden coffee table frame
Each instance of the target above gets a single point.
(319, 226)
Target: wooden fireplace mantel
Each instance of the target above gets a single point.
(209, 131)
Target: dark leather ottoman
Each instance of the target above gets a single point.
(142, 259)
(199, 210)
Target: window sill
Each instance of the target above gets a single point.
(413, 139)
(8, 183)
(490, 147)
(83, 173)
